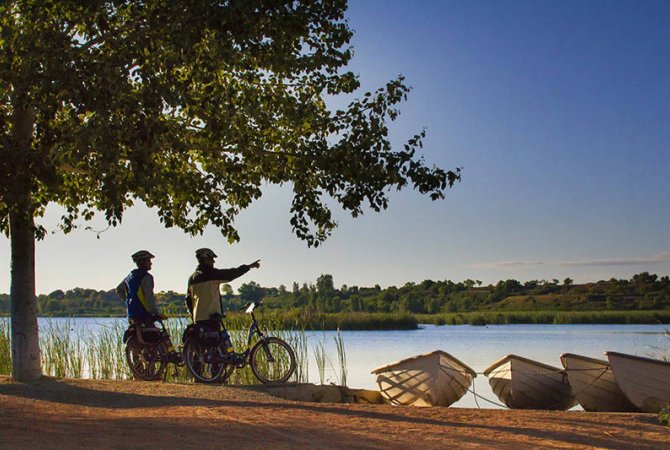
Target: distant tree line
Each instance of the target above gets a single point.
(87, 302)
(643, 291)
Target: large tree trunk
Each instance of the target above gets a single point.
(25, 337)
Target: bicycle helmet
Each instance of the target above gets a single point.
(204, 253)
(140, 255)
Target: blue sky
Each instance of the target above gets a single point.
(558, 111)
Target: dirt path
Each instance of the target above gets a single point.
(122, 414)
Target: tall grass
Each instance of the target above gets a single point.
(341, 357)
(66, 352)
(106, 354)
(662, 350)
(5, 347)
(61, 350)
(298, 340)
(546, 317)
(320, 358)
(295, 319)
(324, 363)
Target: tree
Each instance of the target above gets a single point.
(57, 294)
(189, 107)
(226, 292)
(251, 292)
(325, 286)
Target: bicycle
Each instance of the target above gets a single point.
(210, 357)
(148, 350)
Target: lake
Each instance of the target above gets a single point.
(476, 346)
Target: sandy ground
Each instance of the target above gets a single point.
(127, 414)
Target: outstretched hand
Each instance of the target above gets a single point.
(256, 264)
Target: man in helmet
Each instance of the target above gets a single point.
(137, 289)
(202, 295)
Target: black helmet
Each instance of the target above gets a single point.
(204, 253)
(140, 255)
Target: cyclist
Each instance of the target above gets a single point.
(137, 289)
(202, 295)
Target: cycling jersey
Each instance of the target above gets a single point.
(203, 296)
(137, 289)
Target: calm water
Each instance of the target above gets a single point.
(476, 346)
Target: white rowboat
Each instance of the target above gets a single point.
(522, 383)
(593, 384)
(645, 381)
(431, 379)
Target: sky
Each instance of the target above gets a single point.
(557, 111)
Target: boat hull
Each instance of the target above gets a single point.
(433, 379)
(594, 386)
(645, 381)
(521, 383)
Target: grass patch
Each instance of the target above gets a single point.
(68, 352)
(306, 320)
(546, 317)
(664, 416)
(5, 348)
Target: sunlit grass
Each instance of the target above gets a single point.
(106, 353)
(320, 357)
(5, 347)
(341, 357)
(68, 352)
(324, 363)
(61, 350)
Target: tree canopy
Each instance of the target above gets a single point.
(190, 107)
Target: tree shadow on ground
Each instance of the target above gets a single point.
(67, 392)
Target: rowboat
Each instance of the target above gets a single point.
(645, 381)
(522, 383)
(431, 379)
(593, 384)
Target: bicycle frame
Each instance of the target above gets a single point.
(253, 327)
(241, 358)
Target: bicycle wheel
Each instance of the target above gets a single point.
(145, 361)
(204, 362)
(272, 360)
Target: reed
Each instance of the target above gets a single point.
(298, 340)
(320, 357)
(662, 350)
(66, 352)
(546, 317)
(5, 347)
(341, 357)
(664, 416)
(106, 353)
(175, 328)
(61, 348)
(296, 319)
